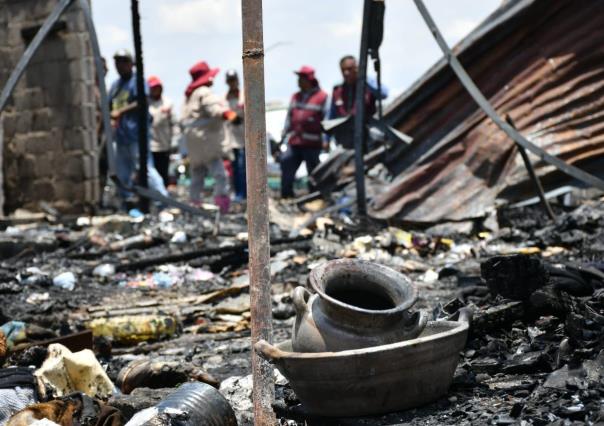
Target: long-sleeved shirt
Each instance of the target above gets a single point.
(203, 127)
(164, 126)
(235, 133)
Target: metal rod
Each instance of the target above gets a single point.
(152, 194)
(359, 116)
(14, 77)
(533, 176)
(100, 75)
(263, 392)
(484, 104)
(378, 70)
(142, 109)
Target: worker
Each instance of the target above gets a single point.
(235, 135)
(124, 116)
(203, 117)
(164, 127)
(302, 131)
(343, 100)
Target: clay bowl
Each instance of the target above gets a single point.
(374, 380)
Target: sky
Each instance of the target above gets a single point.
(178, 33)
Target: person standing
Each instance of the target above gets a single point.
(235, 135)
(343, 100)
(122, 99)
(302, 130)
(164, 127)
(203, 118)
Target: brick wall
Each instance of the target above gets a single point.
(49, 125)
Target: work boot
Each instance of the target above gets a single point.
(223, 202)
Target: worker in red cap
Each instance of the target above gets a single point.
(203, 117)
(302, 130)
(163, 129)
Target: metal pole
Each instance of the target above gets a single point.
(263, 392)
(143, 113)
(486, 106)
(100, 75)
(359, 117)
(533, 175)
(14, 77)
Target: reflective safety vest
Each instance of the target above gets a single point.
(343, 101)
(305, 119)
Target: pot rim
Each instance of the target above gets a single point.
(276, 354)
(318, 270)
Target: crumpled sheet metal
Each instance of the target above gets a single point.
(541, 65)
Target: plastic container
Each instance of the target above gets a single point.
(134, 329)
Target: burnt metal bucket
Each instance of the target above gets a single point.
(373, 380)
(192, 404)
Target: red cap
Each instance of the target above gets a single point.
(306, 71)
(154, 81)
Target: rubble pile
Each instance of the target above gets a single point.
(104, 316)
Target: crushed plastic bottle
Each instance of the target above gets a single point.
(179, 237)
(104, 270)
(134, 329)
(66, 280)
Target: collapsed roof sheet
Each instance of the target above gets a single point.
(539, 61)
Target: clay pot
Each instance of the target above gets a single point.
(357, 304)
(374, 380)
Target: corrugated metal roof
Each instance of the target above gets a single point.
(541, 62)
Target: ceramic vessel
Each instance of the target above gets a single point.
(357, 304)
(374, 380)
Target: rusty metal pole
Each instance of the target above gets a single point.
(359, 117)
(257, 207)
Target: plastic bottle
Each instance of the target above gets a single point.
(134, 329)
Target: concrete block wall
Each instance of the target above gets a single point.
(49, 125)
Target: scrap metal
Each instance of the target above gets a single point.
(531, 171)
(537, 61)
(477, 95)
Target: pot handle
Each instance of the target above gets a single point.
(465, 315)
(462, 315)
(416, 323)
(300, 297)
(267, 351)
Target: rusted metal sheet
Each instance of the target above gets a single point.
(539, 62)
(263, 392)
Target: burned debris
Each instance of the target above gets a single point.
(534, 349)
(413, 284)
